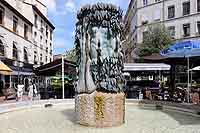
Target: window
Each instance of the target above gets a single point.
(47, 31)
(35, 57)
(41, 28)
(15, 24)
(15, 51)
(25, 55)
(186, 30)
(2, 11)
(157, 0)
(186, 8)
(40, 57)
(145, 2)
(46, 41)
(40, 38)
(1, 48)
(35, 34)
(46, 59)
(25, 31)
(51, 34)
(145, 34)
(198, 5)
(171, 31)
(47, 49)
(198, 27)
(41, 63)
(171, 12)
(35, 22)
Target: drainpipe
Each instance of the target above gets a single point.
(163, 10)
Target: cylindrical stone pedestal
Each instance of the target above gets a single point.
(100, 109)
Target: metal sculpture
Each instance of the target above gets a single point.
(99, 51)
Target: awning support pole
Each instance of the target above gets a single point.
(188, 84)
(63, 84)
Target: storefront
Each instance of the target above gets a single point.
(50, 79)
(22, 73)
(5, 76)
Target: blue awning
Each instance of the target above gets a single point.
(182, 49)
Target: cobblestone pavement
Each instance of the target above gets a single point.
(61, 119)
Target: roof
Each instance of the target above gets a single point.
(155, 56)
(15, 11)
(44, 17)
(146, 66)
(51, 68)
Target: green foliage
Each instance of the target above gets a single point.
(71, 55)
(156, 39)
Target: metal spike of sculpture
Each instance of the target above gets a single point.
(98, 46)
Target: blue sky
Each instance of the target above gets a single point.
(62, 13)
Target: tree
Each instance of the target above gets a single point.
(154, 40)
(71, 55)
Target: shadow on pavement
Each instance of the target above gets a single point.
(182, 118)
(70, 115)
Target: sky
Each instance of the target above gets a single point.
(62, 13)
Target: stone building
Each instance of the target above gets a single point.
(180, 17)
(26, 36)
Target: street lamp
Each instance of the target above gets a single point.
(63, 74)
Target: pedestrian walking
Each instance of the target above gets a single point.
(19, 92)
(30, 92)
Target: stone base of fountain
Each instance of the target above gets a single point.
(100, 109)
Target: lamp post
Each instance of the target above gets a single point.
(63, 80)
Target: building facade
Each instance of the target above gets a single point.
(180, 17)
(26, 36)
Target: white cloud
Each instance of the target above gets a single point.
(51, 5)
(70, 6)
(84, 2)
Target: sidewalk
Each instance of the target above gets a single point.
(3, 101)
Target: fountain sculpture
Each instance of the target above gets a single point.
(99, 99)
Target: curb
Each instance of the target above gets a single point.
(10, 107)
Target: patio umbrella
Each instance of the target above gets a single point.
(196, 68)
(184, 49)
